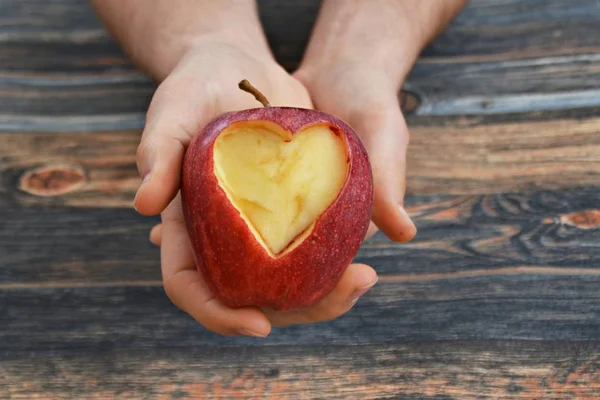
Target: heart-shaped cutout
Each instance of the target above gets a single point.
(280, 182)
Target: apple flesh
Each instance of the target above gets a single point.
(280, 186)
(277, 201)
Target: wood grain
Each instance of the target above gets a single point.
(502, 87)
(419, 370)
(74, 40)
(497, 297)
(463, 156)
(41, 102)
(558, 229)
(62, 38)
(64, 64)
(486, 29)
(105, 159)
(115, 318)
(65, 245)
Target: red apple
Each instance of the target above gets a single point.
(277, 201)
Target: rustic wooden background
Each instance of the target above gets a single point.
(497, 297)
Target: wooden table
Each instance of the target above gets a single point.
(498, 296)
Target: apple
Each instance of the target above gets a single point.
(277, 201)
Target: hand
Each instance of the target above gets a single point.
(359, 54)
(215, 45)
(366, 98)
(202, 86)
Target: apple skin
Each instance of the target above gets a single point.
(236, 268)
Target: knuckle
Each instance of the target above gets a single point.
(164, 95)
(143, 151)
(152, 109)
(159, 98)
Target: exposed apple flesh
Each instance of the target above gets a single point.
(280, 182)
(277, 202)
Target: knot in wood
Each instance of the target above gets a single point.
(409, 101)
(52, 180)
(586, 219)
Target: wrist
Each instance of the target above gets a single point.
(358, 33)
(157, 36)
(165, 52)
(395, 64)
(384, 35)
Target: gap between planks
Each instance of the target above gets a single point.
(522, 270)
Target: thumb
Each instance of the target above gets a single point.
(172, 120)
(385, 136)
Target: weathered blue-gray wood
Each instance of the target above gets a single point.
(496, 297)
(414, 370)
(57, 64)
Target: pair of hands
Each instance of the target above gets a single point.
(204, 85)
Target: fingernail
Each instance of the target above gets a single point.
(361, 291)
(248, 332)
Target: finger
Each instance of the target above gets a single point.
(163, 156)
(180, 108)
(355, 276)
(385, 136)
(156, 235)
(356, 281)
(187, 290)
(377, 118)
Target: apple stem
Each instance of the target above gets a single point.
(247, 87)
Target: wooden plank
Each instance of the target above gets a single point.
(87, 170)
(61, 62)
(498, 29)
(501, 87)
(40, 102)
(462, 156)
(508, 29)
(423, 370)
(75, 94)
(85, 123)
(468, 157)
(509, 307)
(98, 102)
(76, 246)
(82, 311)
(556, 229)
(67, 36)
